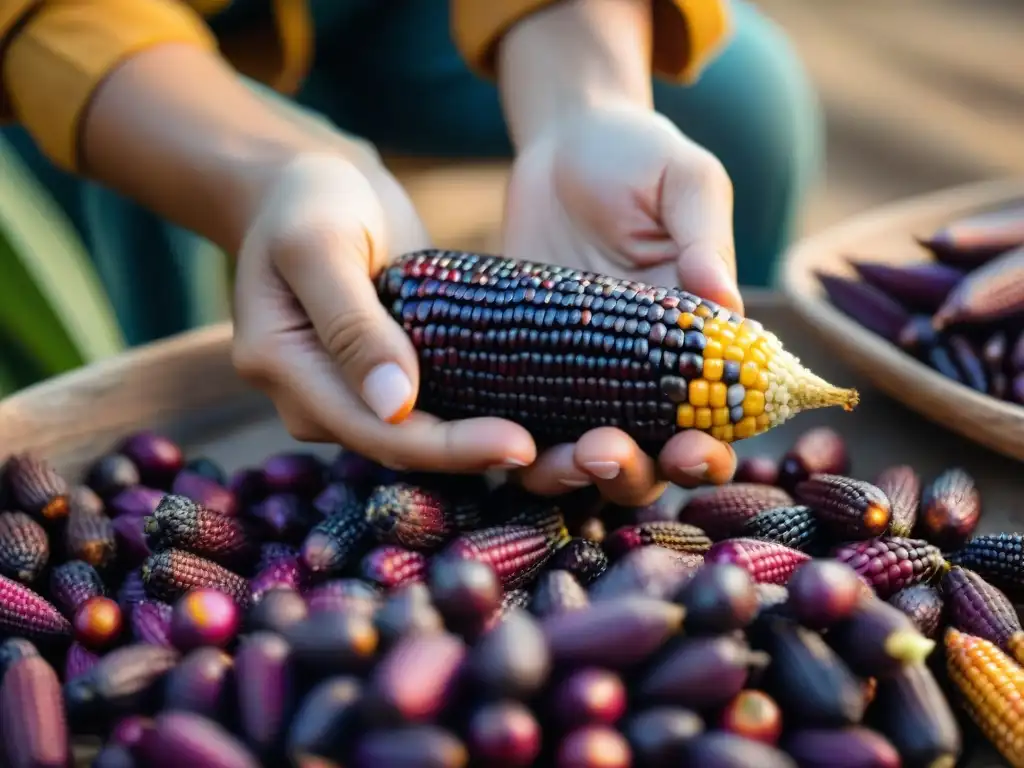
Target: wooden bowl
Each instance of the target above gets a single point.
(888, 235)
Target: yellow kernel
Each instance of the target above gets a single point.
(762, 382)
(713, 369)
(748, 374)
(745, 340)
(703, 418)
(684, 416)
(712, 351)
(727, 433)
(745, 427)
(723, 314)
(753, 403)
(763, 421)
(734, 353)
(702, 311)
(698, 394)
(720, 416)
(716, 395)
(686, 320)
(757, 356)
(718, 432)
(726, 336)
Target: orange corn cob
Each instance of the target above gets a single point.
(992, 686)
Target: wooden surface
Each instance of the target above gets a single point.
(888, 235)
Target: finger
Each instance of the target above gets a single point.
(695, 458)
(696, 207)
(554, 472)
(623, 473)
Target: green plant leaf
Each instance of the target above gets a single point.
(52, 303)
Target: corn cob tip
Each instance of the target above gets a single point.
(151, 525)
(908, 646)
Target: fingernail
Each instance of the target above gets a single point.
(697, 471)
(605, 470)
(510, 464)
(387, 390)
(572, 482)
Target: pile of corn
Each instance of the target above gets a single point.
(312, 613)
(962, 312)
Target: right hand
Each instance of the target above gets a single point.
(312, 334)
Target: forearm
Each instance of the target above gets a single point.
(573, 55)
(175, 129)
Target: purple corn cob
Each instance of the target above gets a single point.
(852, 508)
(247, 486)
(72, 583)
(765, 561)
(333, 542)
(902, 486)
(391, 566)
(157, 457)
(85, 499)
(990, 293)
(359, 471)
(285, 516)
(977, 238)
(206, 467)
(285, 572)
(137, 501)
(12, 650)
(180, 523)
(171, 573)
(723, 511)
(27, 613)
(866, 305)
(205, 492)
(89, 536)
(950, 509)
(676, 536)
(651, 571)
(24, 547)
(112, 473)
(151, 623)
(78, 661)
(187, 739)
(891, 563)
(200, 683)
(335, 498)
(264, 689)
(303, 474)
(272, 551)
(558, 591)
(924, 605)
(515, 552)
(967, 357)
(980, 609)
(32, 716)
(132, 542)
(132, 590)
(415, 679)
(36, 488)
(340, 595)
(544, 517)
(583, 558)
(410, 516)
(922, 287)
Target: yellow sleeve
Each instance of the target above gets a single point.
(687, 33)
(57, 53)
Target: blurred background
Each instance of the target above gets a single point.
(918, 95)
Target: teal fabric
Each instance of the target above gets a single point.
(388, 71)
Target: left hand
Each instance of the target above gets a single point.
(621, 191)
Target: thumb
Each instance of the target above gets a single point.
(696, 208)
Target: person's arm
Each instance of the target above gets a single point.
(134, 94)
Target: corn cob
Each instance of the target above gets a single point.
(793, 526)
(545, 518)
(36, 488)
(975, 239)
(265, 690)
(284, 572)
(414, 680)
(723, 511)
(865, 305)
(465, 592)
(950, 509)
(720, 598)
(583, 558)
(504, 338)
(878, 640)
(557, 591)
(171, 573)
(410, 516)
(206, 467)
(760, 470)
(515, 552)
(201, 683)
(112, 473)
(337, 595)
(902, 487)
(157, 457)
(852, 508)
(512, 600)
(504, 733)
(921, 287)
(180, 523)
(998, 558)
(301, 473)
(427, 745)
(765, 561)
(89, 535)
(391, 567)
(85, 499)
(678, 537)
(888, 564)
(989, 293)
(980, 609)
(132, 590)
(992, 687)
(27, 613)
(335, 498)
(79, 661)
(24, 547)
(12, 650)
(284, 516)
(32, 716)
(205, 492)
(923, 604)
(137, 501)
(818, 451)
(333, 542)
(652, 571)
(151, 622)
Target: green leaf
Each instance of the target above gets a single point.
(52, 303)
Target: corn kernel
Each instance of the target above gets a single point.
(698, 394)
(713, 368)
(712, 351)
(718, 432)
(745, 428)
(720, 417)
(763, 421)
(686, 320)
(745, 340)
(748, 374)
(734, 353)
(728, 433)
(703, 418)
(702, 311)
(762, 382)
(716, 394)
(757, 356)
(753, 403)
(726, 336)
(684, 416)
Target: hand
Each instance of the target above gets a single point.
(622, 191)
(311, 333)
